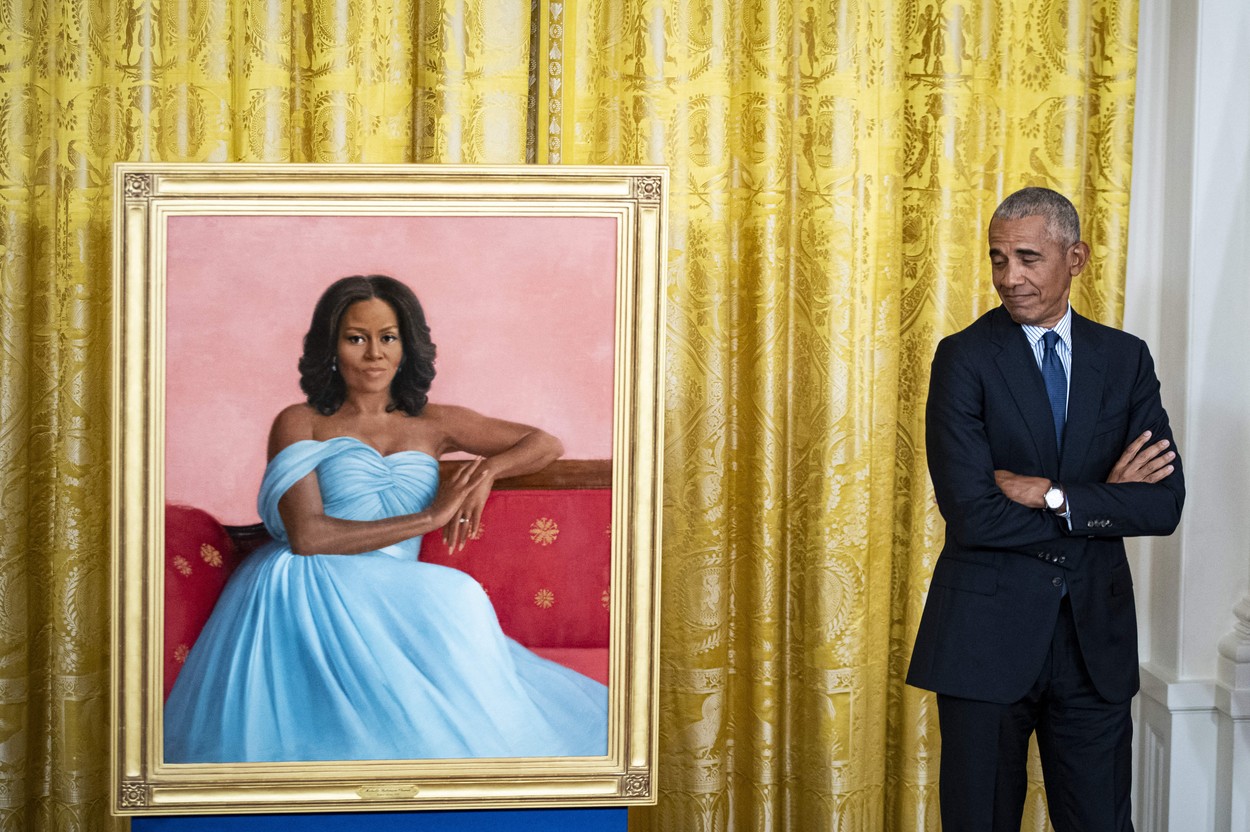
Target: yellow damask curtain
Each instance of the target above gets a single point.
(834, 163)
(834, 166)
(85, 84)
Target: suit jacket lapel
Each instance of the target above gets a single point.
(1089, 363)
(1024, 380)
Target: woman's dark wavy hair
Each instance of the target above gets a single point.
(324, 385)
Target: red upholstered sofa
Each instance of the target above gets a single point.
(543, 556)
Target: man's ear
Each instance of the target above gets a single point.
(1078, 256)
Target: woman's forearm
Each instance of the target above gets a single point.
(325, 535)
(533, 452)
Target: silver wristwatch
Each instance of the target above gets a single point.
(1055, 498)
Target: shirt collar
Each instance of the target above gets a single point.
(1063, 329)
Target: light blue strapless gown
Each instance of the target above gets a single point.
(367, 657)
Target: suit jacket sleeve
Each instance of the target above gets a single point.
(1127, 509)
(977, 513)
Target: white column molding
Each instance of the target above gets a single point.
(1232, 702)
(1234, 667)
(1175, 757)
(1188, 295)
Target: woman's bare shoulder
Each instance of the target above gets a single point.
(443, 413)
(439, 426)
(292, 424)
(448, 420)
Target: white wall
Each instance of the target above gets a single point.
(1188, 293)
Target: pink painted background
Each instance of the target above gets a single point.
(522, 311)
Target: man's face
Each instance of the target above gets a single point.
(1033, 271)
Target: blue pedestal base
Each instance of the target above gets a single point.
(525, 820)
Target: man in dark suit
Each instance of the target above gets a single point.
(1047, 445)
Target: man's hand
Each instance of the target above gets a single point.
(1029, 492)
(1143, 463)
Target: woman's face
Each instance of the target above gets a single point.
(369, 349)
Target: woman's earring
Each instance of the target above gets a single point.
(334, 364)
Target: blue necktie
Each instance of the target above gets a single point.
(1056, 383)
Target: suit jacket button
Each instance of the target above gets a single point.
(1042, 555)
(1061, 559)
(1091, 523)
(1056, 581)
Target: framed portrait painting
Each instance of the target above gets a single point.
(386, 502)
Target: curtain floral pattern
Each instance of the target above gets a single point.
(834, 164)
(834, 167)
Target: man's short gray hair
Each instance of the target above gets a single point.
(1061, 219)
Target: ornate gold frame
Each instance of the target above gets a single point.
(146, 195)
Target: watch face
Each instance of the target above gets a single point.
(1054, 498)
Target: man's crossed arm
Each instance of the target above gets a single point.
(1139, 463)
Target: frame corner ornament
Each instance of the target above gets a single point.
(648, 188)
(637, 784)
(138, 185)
(134, 794)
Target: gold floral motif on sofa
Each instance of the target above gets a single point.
(544, 531)
(210, 555)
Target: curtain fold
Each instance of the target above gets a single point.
(834, 164)
(83, 85)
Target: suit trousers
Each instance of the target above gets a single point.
(1084, 740)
